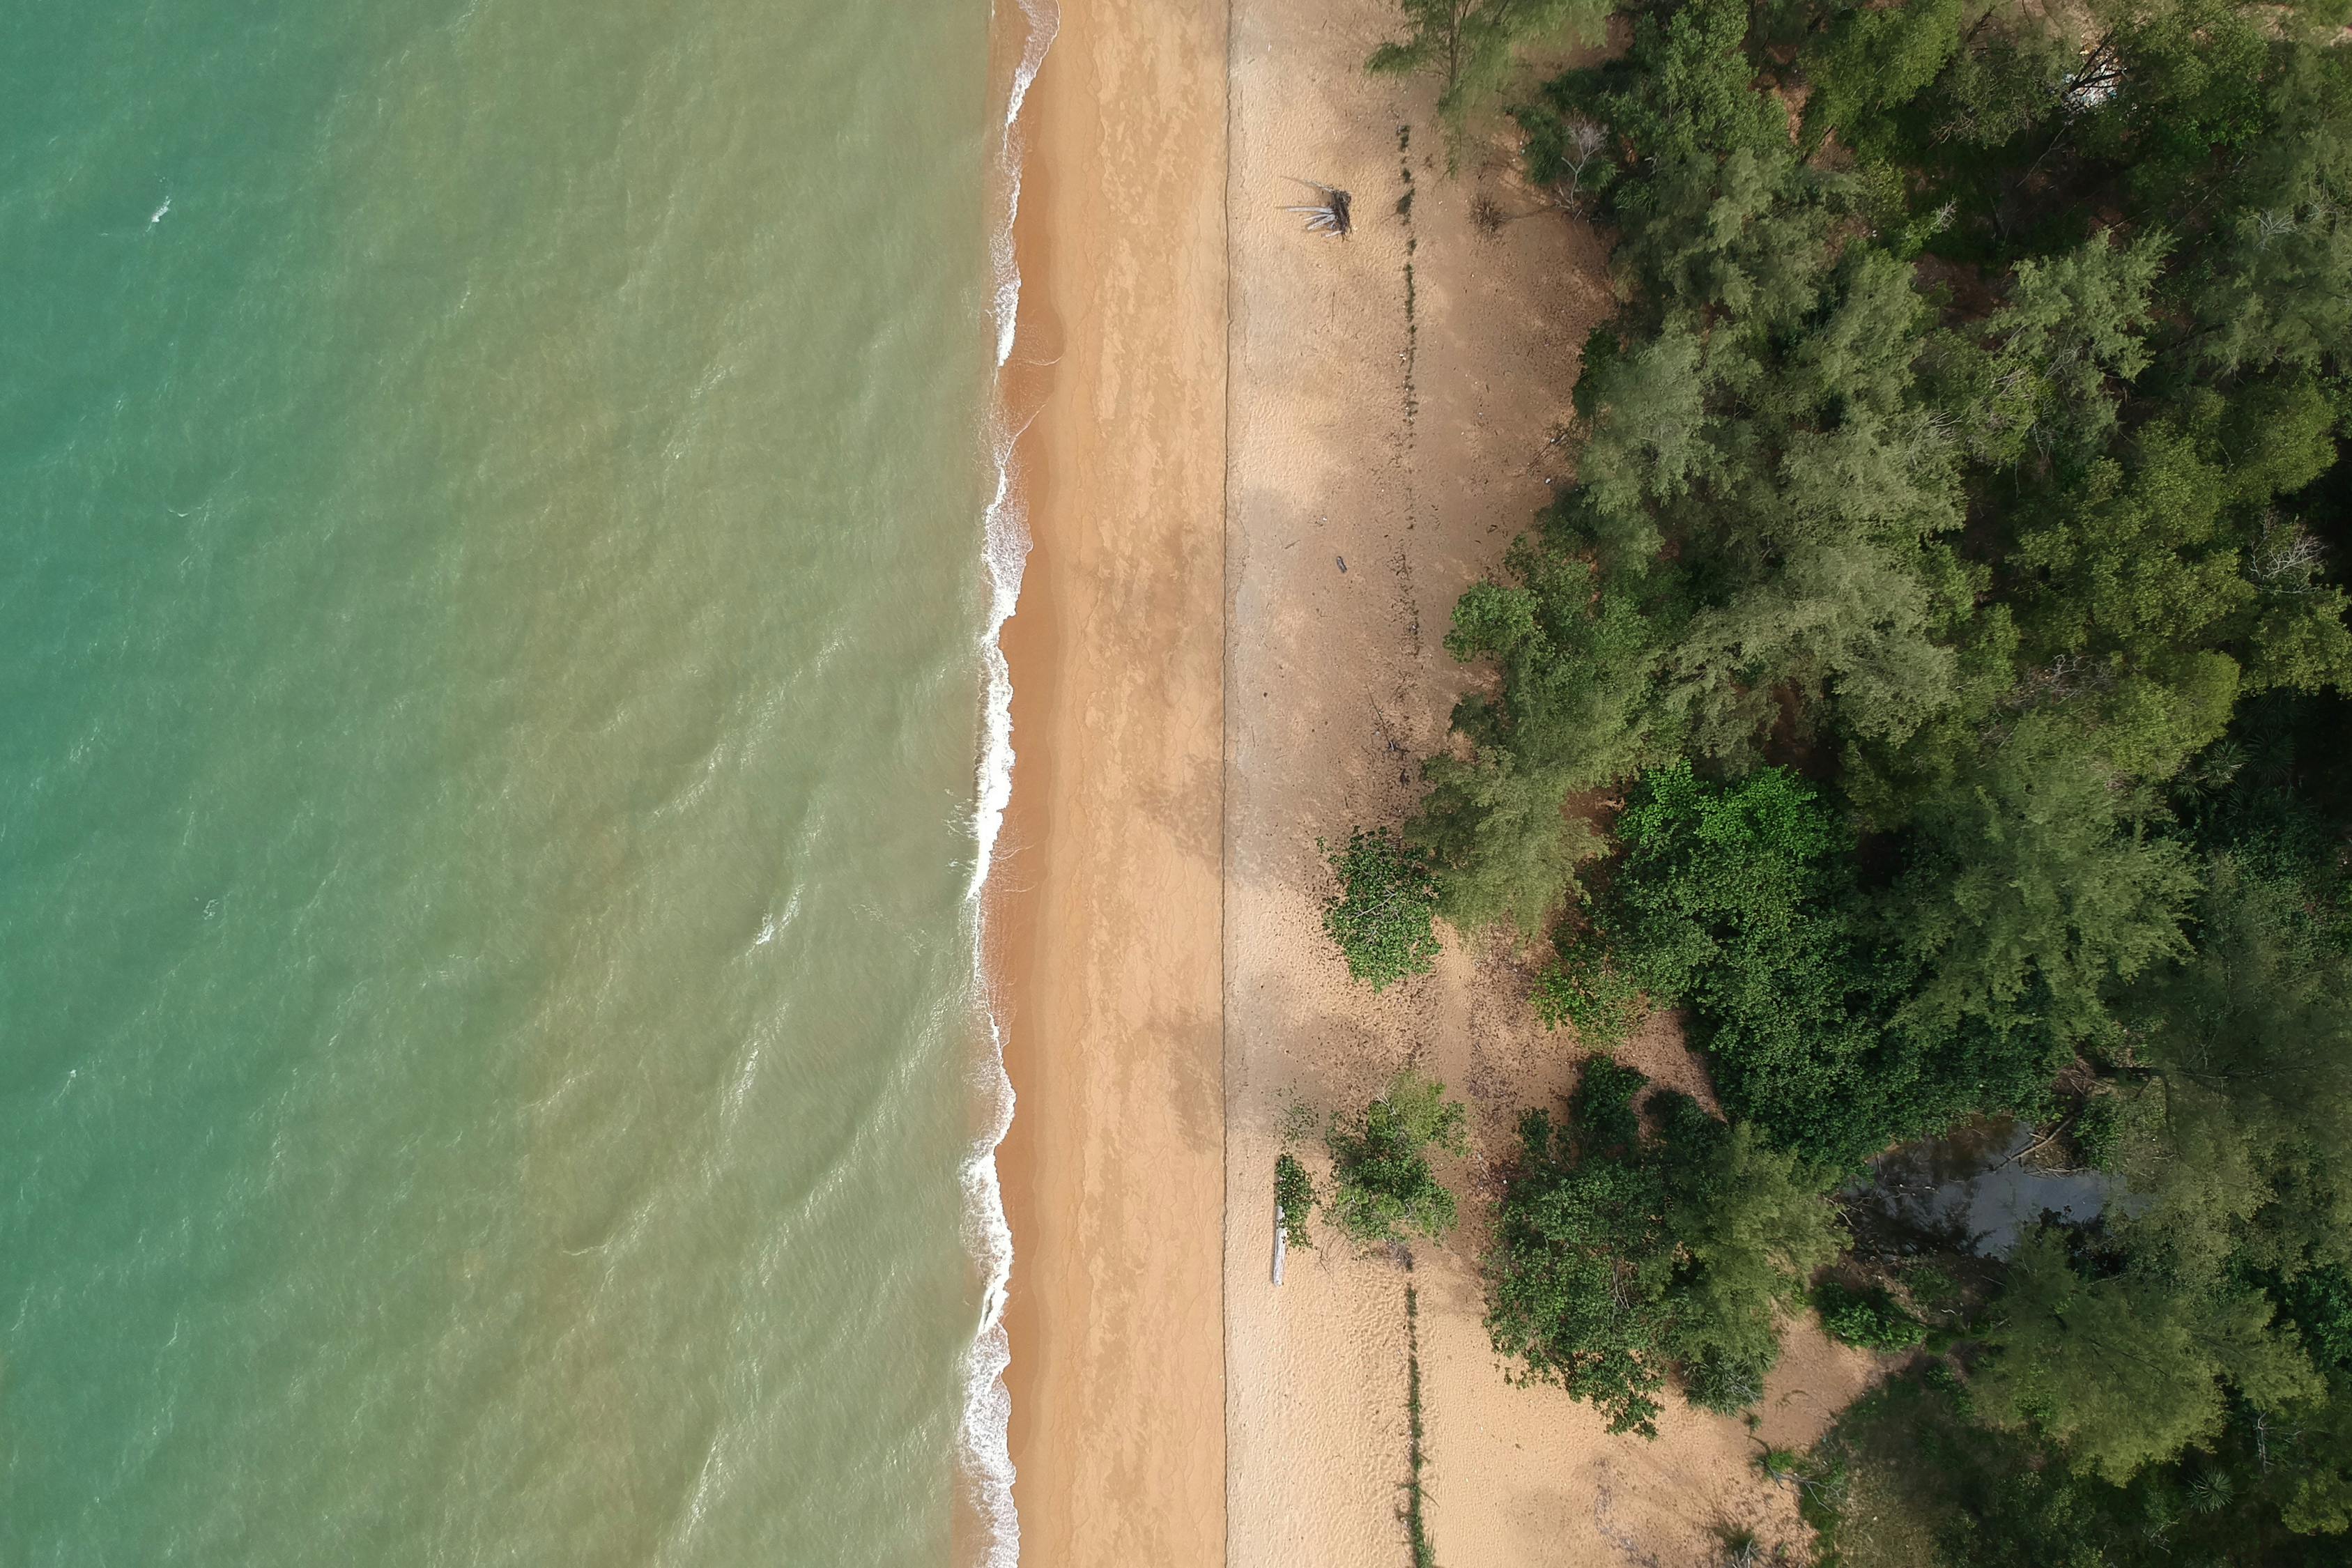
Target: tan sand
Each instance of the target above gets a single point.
(1413, 456)
(1106, 933)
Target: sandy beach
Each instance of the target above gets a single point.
(1106, 929)
(1397, 399)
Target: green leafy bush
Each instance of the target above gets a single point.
(2319, 1303)
(2117, 1122)
(1383, 915)
(1383, 1188)
(1294, 1195)
(1735, 900)
(1869, 1318)
(1578, 1278)
(1933, 1289)
(1725, 1385)
(1622, 1259)
(1583, 988)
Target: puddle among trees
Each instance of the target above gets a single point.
(1977, 1190)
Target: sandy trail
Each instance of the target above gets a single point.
(1395, 400)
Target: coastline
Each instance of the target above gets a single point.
(986, 1526)
(1102, 928)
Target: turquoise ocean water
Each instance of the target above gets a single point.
(490, 682)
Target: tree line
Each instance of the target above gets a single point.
(1945, 612)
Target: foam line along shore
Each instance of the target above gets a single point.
(1022, 33)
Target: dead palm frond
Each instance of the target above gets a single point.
(1329, 215)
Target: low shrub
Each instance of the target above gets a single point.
(1383, 917)
(1871, 1319)
(1582, 988)
(1294, 1197)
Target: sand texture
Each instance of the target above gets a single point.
(1382, 457)
(1106, 929)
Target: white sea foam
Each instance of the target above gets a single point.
(988, 1403)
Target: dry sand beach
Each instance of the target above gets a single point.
(1106, 938)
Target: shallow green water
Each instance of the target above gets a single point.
(488, 698)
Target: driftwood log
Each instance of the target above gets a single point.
(1329, 215)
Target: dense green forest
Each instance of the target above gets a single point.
(1945, 615)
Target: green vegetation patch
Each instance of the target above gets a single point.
(1622, 1260)
(1383, 1189)
(1950, 595)
(1869, 1318)
(1295, 1198)
(1382, 917)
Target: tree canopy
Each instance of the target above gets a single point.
(1470, 45)
(1622, 1259)
(1947, 610)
